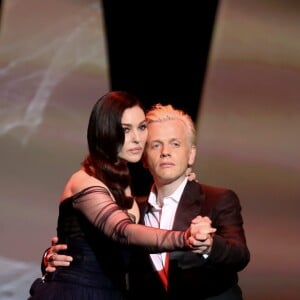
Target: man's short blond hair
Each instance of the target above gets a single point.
(160, 113)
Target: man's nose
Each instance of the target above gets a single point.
(165, 152)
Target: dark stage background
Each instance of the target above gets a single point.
(54, 64)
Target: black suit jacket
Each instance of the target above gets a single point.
(191, 274)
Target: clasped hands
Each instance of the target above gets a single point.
(200, 242)
(201, 235)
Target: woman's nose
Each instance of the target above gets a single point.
(136, 136)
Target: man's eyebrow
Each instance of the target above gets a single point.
(155, 141)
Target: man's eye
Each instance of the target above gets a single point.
(155, 145)
(176, 144)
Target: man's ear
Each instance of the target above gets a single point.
(192, 156)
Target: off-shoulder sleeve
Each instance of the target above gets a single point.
(96, 204)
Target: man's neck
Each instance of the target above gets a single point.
(166, 189)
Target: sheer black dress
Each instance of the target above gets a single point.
(99, 236)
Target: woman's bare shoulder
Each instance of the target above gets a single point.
(78, 181)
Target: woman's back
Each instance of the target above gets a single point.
(99, 265)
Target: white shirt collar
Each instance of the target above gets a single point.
(175, 196)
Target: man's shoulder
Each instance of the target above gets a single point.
(210, 197)
(208, 189)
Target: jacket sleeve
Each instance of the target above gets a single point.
(229, 246)
(229, 249)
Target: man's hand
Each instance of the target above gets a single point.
(201, 237)
(52, 259)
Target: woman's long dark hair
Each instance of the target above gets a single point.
(105, 136)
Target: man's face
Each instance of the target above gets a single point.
(168, 151)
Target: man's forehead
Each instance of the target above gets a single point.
(166, 129)
(169, 123)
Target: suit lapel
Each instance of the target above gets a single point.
(189, 205)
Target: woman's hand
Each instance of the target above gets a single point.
(190, 174)
(201, 238)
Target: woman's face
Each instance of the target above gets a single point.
(135, 130)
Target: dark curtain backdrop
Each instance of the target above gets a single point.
(159, 50)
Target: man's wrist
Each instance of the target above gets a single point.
(45, 257)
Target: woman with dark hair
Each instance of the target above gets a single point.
(97, 213)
